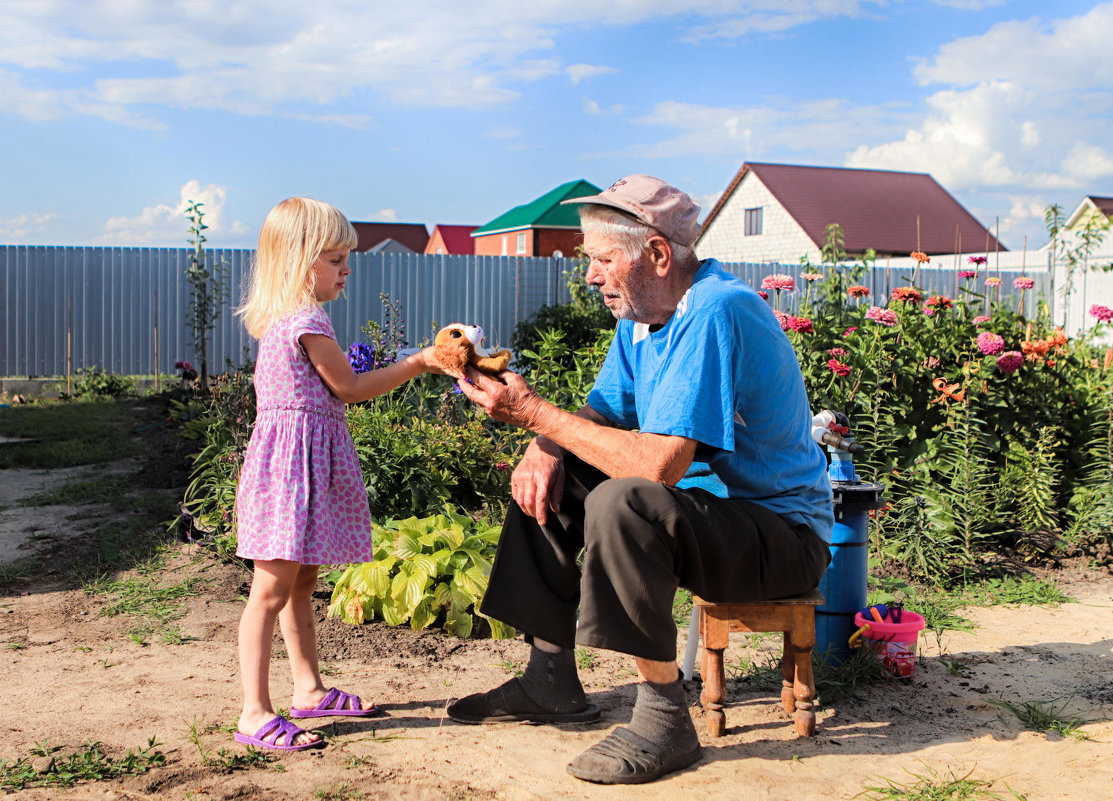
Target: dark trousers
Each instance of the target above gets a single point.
(640, 541)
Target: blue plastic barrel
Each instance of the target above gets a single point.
(844, 584)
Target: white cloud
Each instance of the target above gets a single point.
(580, 72)
(593, 108)
(385, 215)
(261, 57)
(167, 225)
(14, 230)
(1023, 107)
(816, 127)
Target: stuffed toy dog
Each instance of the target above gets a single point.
(458, 345)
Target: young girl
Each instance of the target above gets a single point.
(301, 500)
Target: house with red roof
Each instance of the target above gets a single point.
(541, 227)
(454, 240)
(407, 237)
(780, 213)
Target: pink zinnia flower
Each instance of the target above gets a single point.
(850, 331)
(778, 281)
(966, 274)
(990, 343)
(993, 282)
(838, 368)
(764, 295)
(1024, 283)
(884, 316)
(782, 318)
(836, 352)
(502, 467)
(801, 324)
(977, 261)
(1010, 361)
(809, 277)
(1103, 313)
(929, 310)
(981, 318)
(858, 291)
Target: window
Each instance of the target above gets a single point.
(753, 221)
(504, 250)
(521, 245)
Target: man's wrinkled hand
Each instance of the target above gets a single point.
(537, 484)
(506, 397)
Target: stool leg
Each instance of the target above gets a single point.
(788, 676)
(802, 641)
(715, 634)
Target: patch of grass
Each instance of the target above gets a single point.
(1011, 591)
(338, 792)
(89, 764)
(682, 607)
(585, 658)
(101, 490)
(15, 646)
(762, 671)
(1044, 716)
(835, 682)
(932, 787)
(65, 435)
(144, 597)
(512, 666)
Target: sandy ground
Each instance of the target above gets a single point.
(72, 675)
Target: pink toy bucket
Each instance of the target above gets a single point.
(894, 643)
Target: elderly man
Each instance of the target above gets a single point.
(691, 466)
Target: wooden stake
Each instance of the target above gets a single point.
(156, 341)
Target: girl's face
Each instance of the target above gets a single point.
(330, 272)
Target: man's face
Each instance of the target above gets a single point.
(629, 288)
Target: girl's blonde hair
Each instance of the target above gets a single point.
(294, 234)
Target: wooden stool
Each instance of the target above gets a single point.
(796, 618)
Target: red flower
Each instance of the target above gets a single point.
(838, 368)
(858, 291)
(906, 294)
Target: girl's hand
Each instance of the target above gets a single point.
(431, 363)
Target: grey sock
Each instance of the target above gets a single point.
(661, 717)
(551, 681)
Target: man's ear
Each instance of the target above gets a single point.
(659, 251)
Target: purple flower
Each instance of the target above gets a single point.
(362, 357)
(1010, 361)
(966, 273)
(990, 343)
(977, 261)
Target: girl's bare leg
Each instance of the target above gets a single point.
(299, 630)
(271, 589)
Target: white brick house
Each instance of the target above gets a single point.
(780, 212)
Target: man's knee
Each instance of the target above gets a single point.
(630, 508)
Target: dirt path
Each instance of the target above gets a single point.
(72, 675)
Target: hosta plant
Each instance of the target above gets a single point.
(424, 568)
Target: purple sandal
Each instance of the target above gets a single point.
(336, 704)
(278, 728)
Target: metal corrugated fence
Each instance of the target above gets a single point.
(115, 308)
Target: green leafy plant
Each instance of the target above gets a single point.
(95, 382)
(89, 764)
(209, 286)
(424, 570)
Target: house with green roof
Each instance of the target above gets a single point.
(541, 227)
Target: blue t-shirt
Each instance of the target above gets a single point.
(722, 372)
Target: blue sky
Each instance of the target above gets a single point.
(115, 113)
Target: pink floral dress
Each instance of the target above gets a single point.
(301, 495)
